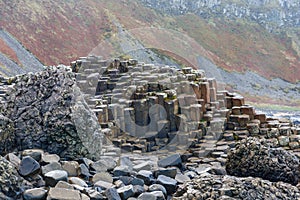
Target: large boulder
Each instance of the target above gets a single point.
(46, 111)
(258, 158)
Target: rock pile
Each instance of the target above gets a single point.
(45, 111)
(47, 176)
(209, 186)
(257, 158)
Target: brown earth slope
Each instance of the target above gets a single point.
(61, 31)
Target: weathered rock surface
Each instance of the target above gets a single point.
(257, 158)
(209, 186)
(46, 111)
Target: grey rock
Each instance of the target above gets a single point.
(137, 181)
(35, 194)
(169, 183)
(29, 166)
(63, 194)
(172, 160)
(103, 185)
(143, 166)
(49, 158)
(84, 171)
(182, 178)
(126, 192)
(230, 187)
(125, 161)
(170, 172)
(138, 189)
(112, 194)
(63, 184)
(59, 118)
(12, 158)
(72, 167)
(34, 153)
(147, 196)
(121, 171)
(159, 195)
(95, 195)
(102, 176)
(77, 181)
(51, 167)
(147, 176)
(158, 187)
(53, 177)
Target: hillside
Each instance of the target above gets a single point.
(258, 36)
(14, 58)
(61, 31)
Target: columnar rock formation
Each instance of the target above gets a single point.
(150, 108)
(178, 137)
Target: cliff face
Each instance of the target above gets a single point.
(272, 14)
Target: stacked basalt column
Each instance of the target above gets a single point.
(159, 106)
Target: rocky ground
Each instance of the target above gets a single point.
(53, 146)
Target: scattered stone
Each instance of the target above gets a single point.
(63, 184)
(63, 194)
(84, 171)
(169, 183)
(158, 187)
(29, 166)
(12, 158)
(51, 167)
(77, 181)
(49, 158)
(112, 194)
(33, 153)
(173, 160)
(146, 176)
(35, 194)
(102, 176)
(126, 192)
(121, 171)
(182, 178)
(103, 185)
(170, 172)
(53, 177)
(72, 167)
